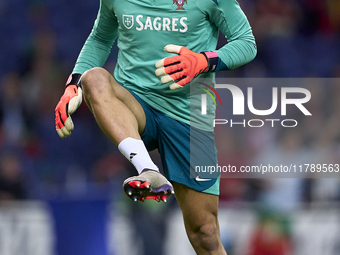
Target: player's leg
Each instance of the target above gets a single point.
(122, 118)
(116, 110)
(200, 218)
(182, 148)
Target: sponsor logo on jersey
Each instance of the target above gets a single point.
(155, 23)
(180, 4)
(128, 21)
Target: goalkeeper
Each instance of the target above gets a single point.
(165, 48)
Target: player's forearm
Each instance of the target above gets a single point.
(237, 53)
(93, 54)
(233, 23)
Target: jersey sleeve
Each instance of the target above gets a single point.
(99, 43)
(233, 23)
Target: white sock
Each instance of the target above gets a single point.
(135, 151)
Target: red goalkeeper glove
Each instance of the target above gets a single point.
(67, 105)
(184, 67)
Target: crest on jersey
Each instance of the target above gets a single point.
(128, 21)
(180, 4)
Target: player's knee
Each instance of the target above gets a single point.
(205, 236)
(94, 81)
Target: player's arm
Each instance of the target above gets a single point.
(240, 49)
(93, 54)
(98, 45)
(233, 23)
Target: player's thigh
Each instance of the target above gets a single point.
(199, 209)
(131, 102)
(100, 74)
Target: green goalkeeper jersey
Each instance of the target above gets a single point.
(142, 29)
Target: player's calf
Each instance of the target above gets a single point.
(200, 217)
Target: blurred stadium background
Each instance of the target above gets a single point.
(60, 197)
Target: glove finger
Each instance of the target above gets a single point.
(178, 75)
(160, 71)
(179, 84)
(160, 63)
(164, 63)
(60, 133)
(171, 48)
(184, 81)
(69, 124)
(173, 77)
(75, 102)
(184, 51)
(175, 86)
(172, 60)
(58, 123)
(174, 68)
(168, 70)
(61, 110)
(65, 132)
(166, 79)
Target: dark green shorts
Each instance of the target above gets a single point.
(183, 149)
